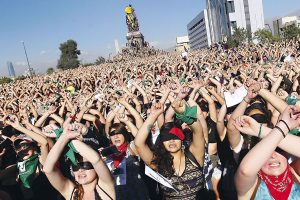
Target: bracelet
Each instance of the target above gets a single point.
(259, 133)
(278, 128)
(285, 124)
(246, 101)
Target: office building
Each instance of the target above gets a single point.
(219, 19)
(280, 23)
(182, 44)
(11, 70)
(199, 31)
(246, 14)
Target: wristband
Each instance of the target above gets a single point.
(246, 101)
(285, 124)
(280, 130)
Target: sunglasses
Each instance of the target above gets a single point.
(82, 165)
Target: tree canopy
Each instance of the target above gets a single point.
(291, 31)
(69, 55)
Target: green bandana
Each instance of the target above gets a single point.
(70, 150)
(27, 169)
(295, 131)
(291, 100)
(189, 115)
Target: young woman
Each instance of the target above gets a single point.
(92, 177)
(169, 159)
(125, 165)
(265, 173)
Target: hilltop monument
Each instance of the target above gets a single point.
(134, 37)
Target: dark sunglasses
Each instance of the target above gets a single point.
(82, 165)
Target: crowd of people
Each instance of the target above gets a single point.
(217, 124)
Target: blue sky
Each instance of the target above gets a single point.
(94, 24)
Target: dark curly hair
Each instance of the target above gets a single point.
(163, 158)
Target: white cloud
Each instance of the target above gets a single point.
(43, 52)
(83, 52)
(154, 43)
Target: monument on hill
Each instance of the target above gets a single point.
(134, 37)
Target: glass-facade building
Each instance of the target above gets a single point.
(11, 70)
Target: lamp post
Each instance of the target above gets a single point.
(29, 68)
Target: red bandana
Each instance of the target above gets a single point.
(279, 186)
(118, 158)
(178, 132)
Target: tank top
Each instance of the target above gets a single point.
(263, 192)
(188, 184)
(97, 196)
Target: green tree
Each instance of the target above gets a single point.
(100, 60)
(69, 55)
(231, 42)
(50, 70)
(240, 35)
(263, 36)
(291, 31)
(22, 77)
(4, 80)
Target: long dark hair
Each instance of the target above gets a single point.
(163, 158)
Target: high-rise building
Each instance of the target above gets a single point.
(199, 31)
(218, 20)
(11, 70)
(248, 14)
(221, 16)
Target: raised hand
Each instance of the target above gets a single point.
(253, 90)
(178, 106)
(71, 132)
(247, 125)
(51, 110)
(49, 130)
(122, 117)
(282, 94)
(291, 115)
(157, 109)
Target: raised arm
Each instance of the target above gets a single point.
(54, 175)
(246, 174)
(140, 140)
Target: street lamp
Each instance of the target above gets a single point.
(29, 68)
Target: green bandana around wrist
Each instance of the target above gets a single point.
(189, 115)
(27, 169)
(70, 150)
(291, 100)
(295, 131)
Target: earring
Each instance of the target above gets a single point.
(182, 147)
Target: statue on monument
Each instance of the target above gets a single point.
(131, 19)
